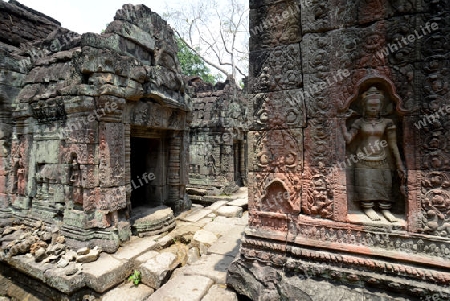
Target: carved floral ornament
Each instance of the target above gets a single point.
(277, 151)
(435, 217)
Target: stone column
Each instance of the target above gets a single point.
(175, 190)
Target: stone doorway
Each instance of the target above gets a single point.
(148, 171)
(238, 158)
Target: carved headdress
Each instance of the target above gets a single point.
(372, 93)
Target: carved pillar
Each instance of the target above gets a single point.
(243, 158)
(3, 175)
(175, 189)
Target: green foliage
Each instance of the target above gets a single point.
(103, 30)
(193, 65)
(135, 277)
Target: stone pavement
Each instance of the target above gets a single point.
(189, 263)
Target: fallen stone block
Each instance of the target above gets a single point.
(196, 191)
(193, 255)
(38, 245)
(62, 263)
(212, 266)
(51, 259)
(70, 255)
(203, 237)
(180, 250)
(183, 288)
(211, 199)
(106, 272)
(90, 257)
(214, 207)
(185, 232)
(72, 269)
(240, 203)
(230, 211)
(165, 241)
(145, 257)
(40, 255)
(55, 249)
(83, 251)
(155, 271)
(135, 248)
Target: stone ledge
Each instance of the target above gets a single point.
(349, 269)
(245, 278)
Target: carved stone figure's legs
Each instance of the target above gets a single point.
(385, 207)
(368, 210)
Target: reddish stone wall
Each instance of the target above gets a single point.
(310, 64)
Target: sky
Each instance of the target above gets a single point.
(91, 15)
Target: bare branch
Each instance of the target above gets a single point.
(216, 31)
(200, 55)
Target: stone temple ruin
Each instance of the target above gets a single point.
(345, 115)
(348, 152)
(87, 121)
(218, 139)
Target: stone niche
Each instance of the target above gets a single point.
(218, 139)
(330, 81)
(92, 126)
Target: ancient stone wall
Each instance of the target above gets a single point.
(72, 105)
(20, 24)
(348, 153)
(218, 137)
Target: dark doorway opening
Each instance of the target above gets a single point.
(237, 158)
(143, 162)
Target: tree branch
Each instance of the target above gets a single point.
(200, 55)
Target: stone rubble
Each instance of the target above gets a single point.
(189, 263)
